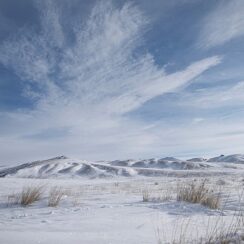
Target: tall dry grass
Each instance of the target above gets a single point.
(199, 193)
(214, 229)
(30, 195)
(217, 232)
(55, 196)
(145, 196)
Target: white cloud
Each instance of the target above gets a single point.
(220, 96)
(223, 24)
(83, 90)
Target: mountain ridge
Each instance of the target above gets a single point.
(63, 166)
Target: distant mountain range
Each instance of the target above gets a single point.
(69, 168)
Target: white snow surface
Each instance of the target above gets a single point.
(102, 202)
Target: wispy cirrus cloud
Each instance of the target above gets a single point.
(102, 65)
(222, 24)
(83, 88)
(227, 96)
(216, 97)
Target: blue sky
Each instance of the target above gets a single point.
(121, 79)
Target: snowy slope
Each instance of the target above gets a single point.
(234, 158)
(56, 167)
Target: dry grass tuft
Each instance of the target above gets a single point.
(13, 199)
(30, 195)
(198, 193)
(229, 238)
(157, 196)
(145, 196)
(216, 231)
(55, 196)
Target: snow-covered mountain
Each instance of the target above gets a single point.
(234, 158)
(65, 167)
(197, 160)
(163, 163)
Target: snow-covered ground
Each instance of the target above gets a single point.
(103, 201)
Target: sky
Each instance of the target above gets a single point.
(105, 80)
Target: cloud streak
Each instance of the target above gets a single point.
(212, 98)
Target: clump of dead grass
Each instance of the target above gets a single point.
(161, 195)
(55, 196)
(30, 195)
(198, 193)
(13, 199)
(145, 196)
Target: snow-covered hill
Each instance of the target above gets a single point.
(164, 163)
(197, 160)
(66, 167)
(234, 158)
(63, 167)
